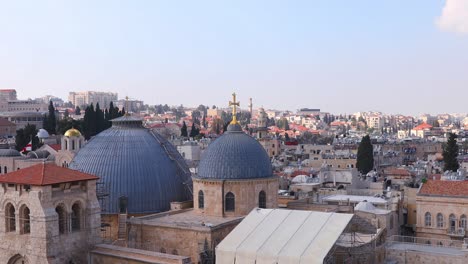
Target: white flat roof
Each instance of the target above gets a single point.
(282, 236)
(354, 198)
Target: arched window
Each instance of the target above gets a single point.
(10, 218)
(462, 223)
(76, 217)
(5, 169)
(66, 144)
(452, 222)
(201, 200)
(62, 219)
(230, 202)
(73, 145)
(262, 199)
(440, 220)
(25, 220)
(427, 219)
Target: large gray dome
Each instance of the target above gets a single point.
(235, 155)
(135, 163)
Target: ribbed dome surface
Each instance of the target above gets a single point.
(134, 162)
(9, 153)
(235, 155)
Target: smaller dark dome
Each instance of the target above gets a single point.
(9, 153)
(235, 155)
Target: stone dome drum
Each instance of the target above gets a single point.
(136, 165)
(235, 155)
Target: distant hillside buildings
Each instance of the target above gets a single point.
(86, 98)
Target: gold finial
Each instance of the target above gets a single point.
(234, 105)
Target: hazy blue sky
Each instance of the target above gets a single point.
(343, 56)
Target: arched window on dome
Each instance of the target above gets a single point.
(10, 218)
(201, 200)
(73, 144)
(230, 202)
(262, 199)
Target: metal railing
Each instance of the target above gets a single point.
(424, 241)
(459, 232)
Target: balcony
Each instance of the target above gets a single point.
(456, 232)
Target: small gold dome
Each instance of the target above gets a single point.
(72, 133)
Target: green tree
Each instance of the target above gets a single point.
(25, 135)
(365, 156)
(183, 130)
(450, 154)
(77, 110)
(100, 121)
(52, 119)
(194, 131)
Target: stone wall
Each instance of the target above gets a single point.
(178, 241)
(246, 194)
(418, 257)
(44, 243)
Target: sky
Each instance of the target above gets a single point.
(397, 56)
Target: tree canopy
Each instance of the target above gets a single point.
(450, 154)
(365, 156)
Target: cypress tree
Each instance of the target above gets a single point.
(365, 156)
(183, 130)
(193, 131)
(52, 121)
(100, 122)
(451, 153)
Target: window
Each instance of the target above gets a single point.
(10, 218)
(174, 252)
(440, 220)
(76, 217)
(230, 203)
(427, 219)
(201, 200)
(391, 221)
(25, 220)
(462, 223)
(162, 250)
(452, 222)
(5, 169)
(262, 199)
(73, 145)
(62, 219)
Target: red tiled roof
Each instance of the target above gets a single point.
(5, 122)
(423, 126)
(56, 147)
(45, 174)
(445, 188)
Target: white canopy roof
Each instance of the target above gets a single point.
(282, 236)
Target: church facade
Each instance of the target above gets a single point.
(50, 214)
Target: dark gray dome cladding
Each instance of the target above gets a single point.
(132, 161)
(235, 155)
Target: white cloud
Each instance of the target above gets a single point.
(454, 17)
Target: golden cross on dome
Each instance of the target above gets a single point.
(234, 105)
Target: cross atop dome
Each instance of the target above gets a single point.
(234, 105)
